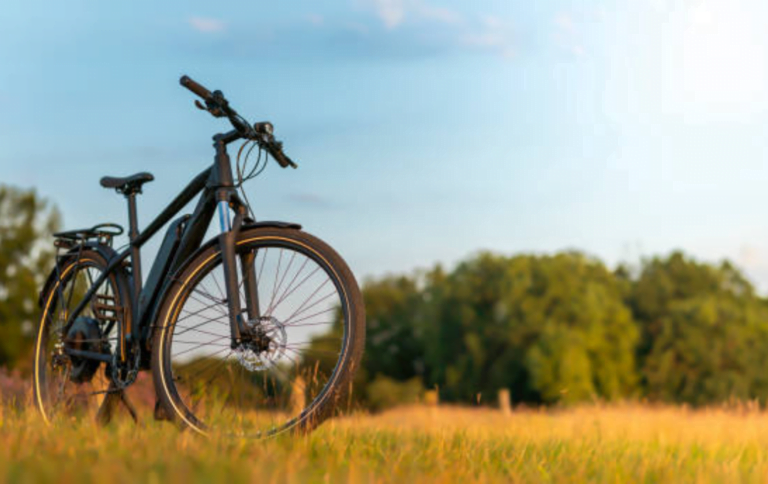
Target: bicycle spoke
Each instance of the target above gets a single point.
(301, 308)
(189, 315)
(208, 343)
(261, 271)
(311, 316)
(303, 351)
(216, 365)
(221, 292)
(277, 274)
(200, 346)
(207, 295)
(282, 280)
(286, 294)
(209, 356)
(209, 320)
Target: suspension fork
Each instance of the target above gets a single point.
(227, 241)
(250, 285)
(248, 273)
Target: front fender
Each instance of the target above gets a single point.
(253, 225)
(272, 224)
(207, 245)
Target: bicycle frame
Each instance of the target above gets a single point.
(217, 186)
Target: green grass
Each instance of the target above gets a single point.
(595, 443)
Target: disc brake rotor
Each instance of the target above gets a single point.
(266, 348)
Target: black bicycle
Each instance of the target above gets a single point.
(252, 333)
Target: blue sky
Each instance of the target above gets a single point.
(424, 130)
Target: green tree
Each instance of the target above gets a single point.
(394, 307)
(705, 331)
(466, 335)
(710, 349)
(664, 281)
(550, 328)
(25, 221)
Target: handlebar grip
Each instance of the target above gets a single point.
(195, 87)
(276, 150)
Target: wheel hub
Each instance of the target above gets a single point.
(84, 335)
(265, 345)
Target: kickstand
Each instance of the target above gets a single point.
(104, 416)
(129, 406)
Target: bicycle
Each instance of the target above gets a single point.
(252, 333)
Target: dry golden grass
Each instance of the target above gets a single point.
(628, 443)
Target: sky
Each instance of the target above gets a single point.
(425, 131)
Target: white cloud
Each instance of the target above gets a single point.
(699, 63)
(567, 35)
(722, 61)
(702, 15)
(490, 41)
(488, 33)
(565, 22)
(207, 25)
(438, 14)
(493, 33)
(393, 13)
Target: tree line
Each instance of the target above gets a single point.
(552, 329)
(565, 328)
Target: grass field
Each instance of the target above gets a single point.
(419, 444)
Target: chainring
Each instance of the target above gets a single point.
(123, 375)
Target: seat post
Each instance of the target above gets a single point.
(133, 232)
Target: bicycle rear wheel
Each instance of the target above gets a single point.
(308, 315)
(68, 385)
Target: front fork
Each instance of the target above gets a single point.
(227, 244)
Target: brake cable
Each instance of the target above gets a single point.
(241, 167)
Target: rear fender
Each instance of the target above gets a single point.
(122, 277)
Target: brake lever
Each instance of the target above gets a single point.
(214, 111)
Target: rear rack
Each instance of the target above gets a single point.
(103, 233)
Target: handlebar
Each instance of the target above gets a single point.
(218, 106)
(195, 87)
(276, 151)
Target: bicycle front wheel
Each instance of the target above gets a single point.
(306, 319)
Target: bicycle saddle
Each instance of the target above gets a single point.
(127, 184)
